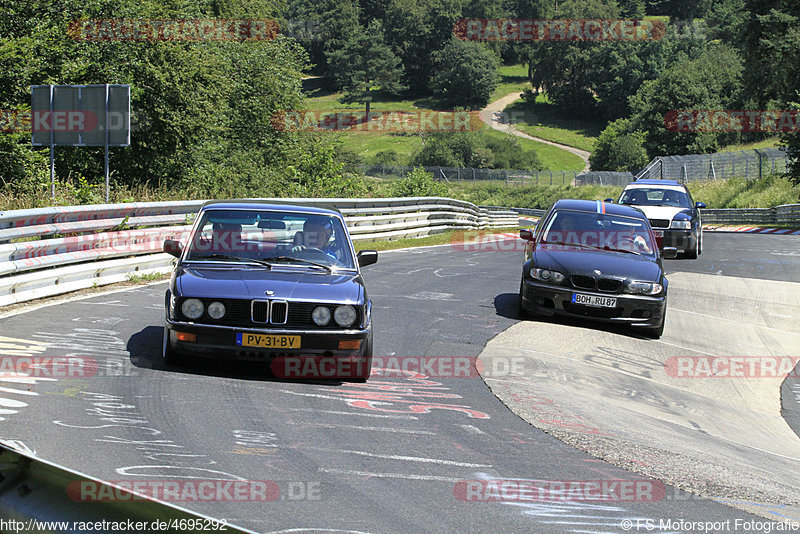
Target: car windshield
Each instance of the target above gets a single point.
(271, 238)
(575, 229)
(655, 196)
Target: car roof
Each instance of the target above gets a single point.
(272, 205)
(657, 182)
(598, 206)
(669, 185)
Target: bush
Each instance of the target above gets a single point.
(418, 183)
(619, 149)
(386, 157)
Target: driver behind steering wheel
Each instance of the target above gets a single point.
(317, 233)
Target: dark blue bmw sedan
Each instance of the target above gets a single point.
(274, 283)
(597, 260)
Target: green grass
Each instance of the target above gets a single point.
(527, 196)
(767, 192)
(543, 120)
(551, 157)
(764, 143)
(442, 238)
(513, 79)
(368, 143)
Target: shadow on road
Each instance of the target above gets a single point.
(506, 305)
(145, 353)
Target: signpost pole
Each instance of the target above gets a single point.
(106, 128)
(52, 151)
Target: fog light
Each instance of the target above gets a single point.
(186, 337)
(349, 344)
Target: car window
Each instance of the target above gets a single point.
(567, 228)
(655, 196)
(236, 235)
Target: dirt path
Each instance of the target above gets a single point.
(492, 115)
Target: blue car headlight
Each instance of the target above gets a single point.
(644, 288)
(681, 224)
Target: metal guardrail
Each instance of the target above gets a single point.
(101, 247)
(37, 496)
(509, 176)
(784, 215)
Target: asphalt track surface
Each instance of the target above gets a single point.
(391, 455)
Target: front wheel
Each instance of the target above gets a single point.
(367, 362)
(658, 331)
(522, 313)
(692, 254)
(168, 354)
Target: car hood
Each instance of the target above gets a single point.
(661, 212)
(610, 264)
(246, 283)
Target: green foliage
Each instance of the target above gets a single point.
(473, 149)
(386, 157)
(712, 81)
(418, 183)
(770, 191)
(465, 74)
(526, 196)
(365, 66)
(619, 149)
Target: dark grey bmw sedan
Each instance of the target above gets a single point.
(596, 260)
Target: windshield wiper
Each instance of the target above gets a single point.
(624, 250)
(581, 245)
(292, 259)
(229, 257)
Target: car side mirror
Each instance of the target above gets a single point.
(367, 257)
(526, 234)
(669, 253)
(699, 204)
(173, 247)
(609, 200)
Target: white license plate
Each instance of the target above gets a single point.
(594, 300)
(658, 233)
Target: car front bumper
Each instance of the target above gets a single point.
(636, 310)
(682, 240)
(220, 342)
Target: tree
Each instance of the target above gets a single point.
(710, 82)
(366, 66)
(619, 149)
(466, 74)
(564, 69)
(415, 29)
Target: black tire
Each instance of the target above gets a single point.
(522, 313)
(692, 254)
(700, 242)
(658, 331)
(168, 354)
(368, 359)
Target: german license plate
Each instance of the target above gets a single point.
(658, 233)
(594, 300)
(268, 341)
